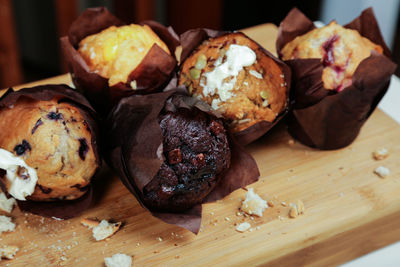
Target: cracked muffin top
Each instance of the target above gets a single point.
(234, 75)
(341, 50)
(196, 152)
(116, 51)
(54, 139)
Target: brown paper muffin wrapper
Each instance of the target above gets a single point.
(191, 39)
(323, 118)
(135, 140)
(62, 209)
(150, 75)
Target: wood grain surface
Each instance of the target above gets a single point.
(349, 211)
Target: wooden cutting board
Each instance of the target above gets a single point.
(349, 211)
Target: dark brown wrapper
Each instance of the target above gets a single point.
(62, 209)
(135, 150)
(191, 39)
(150, 75)
(323, 118)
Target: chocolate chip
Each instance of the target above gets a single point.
(45, 190)
(54, 116)
(175, 156)
(199, 161)
(21, 148)
(73, 119)
(37, 124)
(83, 148)
(216, 127)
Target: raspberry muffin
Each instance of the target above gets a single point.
(341, 50)
(235, 76)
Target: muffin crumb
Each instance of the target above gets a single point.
(243, 227)
(380, 153)
(382, 171)
(253, 204)
(6, 204)
(8, 252)
(101, 230)
(6, 224)
(118, 260)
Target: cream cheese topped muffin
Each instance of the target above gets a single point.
(234, 75)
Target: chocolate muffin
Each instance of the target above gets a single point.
(196, 152)
(52, 137)
(235, 75)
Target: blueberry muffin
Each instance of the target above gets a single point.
(53, 138)
(196, 152)
(115, 52)
(235, 76)
(341, 50)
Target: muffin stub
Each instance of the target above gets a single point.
(54, 139)
(115, 52)
(341, 50)
(235, 76)
(196, 152)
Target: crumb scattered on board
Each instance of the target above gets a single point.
(243, 227)
(6, 224)
(380, 153)
(8, 252)
(253, 204)
(103, 229)
(296, 209)
(118, 260)
(382, 171)
(6, 204)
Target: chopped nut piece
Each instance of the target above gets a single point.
(8, 252)
(380, 154)
(175, 156)
(253, 204)
(293, 213)
(382, 171)
(283, 203)
(6, 225)
(101, 230)
(291, 142)
(270, 203)
(6, 204)
(243, 227)
(300, 207)
(118, 260)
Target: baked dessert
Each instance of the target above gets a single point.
(341, 50)
(235, 76)
(115, 52)
(54, 139)
(196, 151)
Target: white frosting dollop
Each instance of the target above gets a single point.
(21, 178)
(237, 57)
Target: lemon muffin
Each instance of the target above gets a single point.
(115, 52)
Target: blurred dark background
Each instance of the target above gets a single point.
(29, 31)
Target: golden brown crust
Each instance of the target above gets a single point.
(341, 51)
(259, 93)
(116, 51)
(54, 139)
